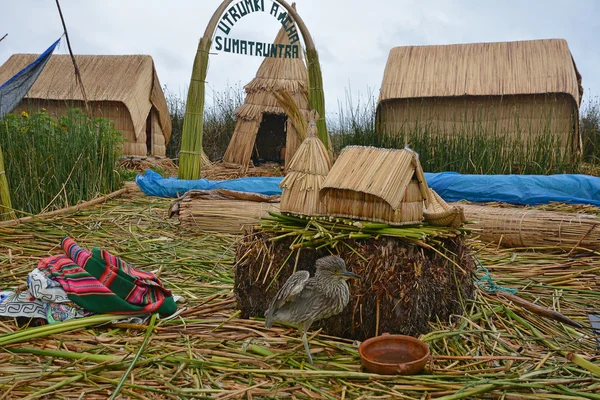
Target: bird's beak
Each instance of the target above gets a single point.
(350, 275)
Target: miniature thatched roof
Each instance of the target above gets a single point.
(481, 69)
(383, 173)
(130, 79)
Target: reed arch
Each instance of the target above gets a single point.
(191, 141)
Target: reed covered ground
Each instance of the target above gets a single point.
(496, 350)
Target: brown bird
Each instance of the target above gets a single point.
(303, 300)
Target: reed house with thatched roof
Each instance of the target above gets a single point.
(122, 88)
(522, 88)
(263, 130)
(374, 184)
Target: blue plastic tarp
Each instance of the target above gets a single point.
(153, 184)
(13, 90)
(516, 189)
(451, 186)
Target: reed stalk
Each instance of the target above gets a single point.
(316, 96)
(6, 211)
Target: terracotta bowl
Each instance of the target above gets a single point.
(393, 354)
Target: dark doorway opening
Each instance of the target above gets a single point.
(149, 134)
(269, 145)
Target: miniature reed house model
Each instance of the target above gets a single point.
(374, 184)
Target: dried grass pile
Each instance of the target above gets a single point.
(142, 164)
(519, 227)
(403, 288)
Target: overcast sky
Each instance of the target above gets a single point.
(353, 37)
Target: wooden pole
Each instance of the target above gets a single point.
(77, 74)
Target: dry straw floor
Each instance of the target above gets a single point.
(496, 350)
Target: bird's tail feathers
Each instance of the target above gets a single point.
(268, 319)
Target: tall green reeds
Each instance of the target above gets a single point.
(219, 120)
(472, 145)
(54, 163)
(590, 130)
(6, 212)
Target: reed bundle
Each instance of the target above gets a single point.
(402, 288)
(316, 96)
(496, 349)
(287, 103)
(6, 211)
(517, 227)
(305, 175)
(222, 215)
(440, 213)
(190, 157)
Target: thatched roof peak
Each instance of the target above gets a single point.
(130, 79)
(481, 69)
(277, 73)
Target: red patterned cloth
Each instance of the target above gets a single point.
(103, 283)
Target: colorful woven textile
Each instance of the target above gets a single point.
(102, 283)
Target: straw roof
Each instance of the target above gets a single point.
(130, 79)
(478, 69)
(383, 173)
(288, 74)
(274, 75)
(306, 173)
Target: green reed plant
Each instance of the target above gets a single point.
(219, 120)
(590, 129)
(471, 145)
(57, 162)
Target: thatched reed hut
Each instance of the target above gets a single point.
(263, 130)
(305, 176)
(520, 88)
(122, 88)
(382, 185)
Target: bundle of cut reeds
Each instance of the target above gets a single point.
(222, 215)
(440, 213)
(307, 172)
(517, 227)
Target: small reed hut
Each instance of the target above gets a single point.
(122, 88)
(263, 130)
(305, 176)
(520, 88)
(382, 185)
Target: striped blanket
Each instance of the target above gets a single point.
(100, 282)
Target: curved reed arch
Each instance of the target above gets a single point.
(191, 141)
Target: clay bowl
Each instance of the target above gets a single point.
(393, 354)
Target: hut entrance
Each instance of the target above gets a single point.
(149, 134)
(270, 140)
